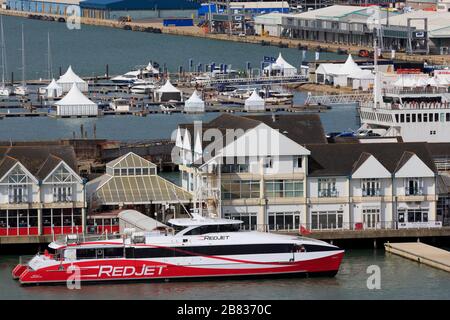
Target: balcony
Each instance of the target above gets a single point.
(328, 193)
(371, 193)
(417, 191)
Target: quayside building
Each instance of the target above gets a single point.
(279, 173)
(41, 192)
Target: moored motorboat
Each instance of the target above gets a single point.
(188, 248)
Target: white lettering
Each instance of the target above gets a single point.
(105, 270)
(129, 271)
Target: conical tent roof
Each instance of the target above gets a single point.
(74, 97)
(70, 77)
(151, 68)
(194, 98)
(168, 87)
(53, 85)
(280, 63)
(254, 97)
(349, 67)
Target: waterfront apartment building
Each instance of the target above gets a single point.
(41, 192)
(272, 178)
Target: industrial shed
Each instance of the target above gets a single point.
(138, 9)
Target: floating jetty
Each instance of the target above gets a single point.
(422, 253)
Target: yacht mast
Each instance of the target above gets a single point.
(23, 59)
(3, 55)
(49, 58)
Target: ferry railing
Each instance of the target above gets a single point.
(416, 90)
(342, 226)
(407, 105)
(79, 238)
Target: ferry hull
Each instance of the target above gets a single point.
(18, 270)
(128, 269)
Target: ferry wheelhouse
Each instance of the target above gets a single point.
(188, 248)
(415, 113)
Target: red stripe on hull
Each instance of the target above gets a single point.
(18, 270)
(123, 269)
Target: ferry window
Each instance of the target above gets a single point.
(86, 254)
(408, 118)
(419, 117)
(396, 117)
(113, 252)
(430, 117)
(447, 117)
(425, 117)
(436, 117)
(402, 118)
(413, 117)
(213, 229)
(442, 117)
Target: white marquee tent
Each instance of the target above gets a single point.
(75, 103)
(69, 78)
(348, 68)
(53, 90)
(194, 103)
(168, 92)
(281, 68)
(255, 103)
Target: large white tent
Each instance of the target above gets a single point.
(255, 103)
(69, 78)
(53, 90)
(348, 68)
(194, 103)
(363, 79)
(168, 93)
(326, 71)
(75, 103)
(281, 68)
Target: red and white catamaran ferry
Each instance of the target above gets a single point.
(193, 248)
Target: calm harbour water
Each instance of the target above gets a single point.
(400, 279)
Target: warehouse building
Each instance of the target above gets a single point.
(110, 9)
(138, 9)
(413, 32)
(36, 6)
